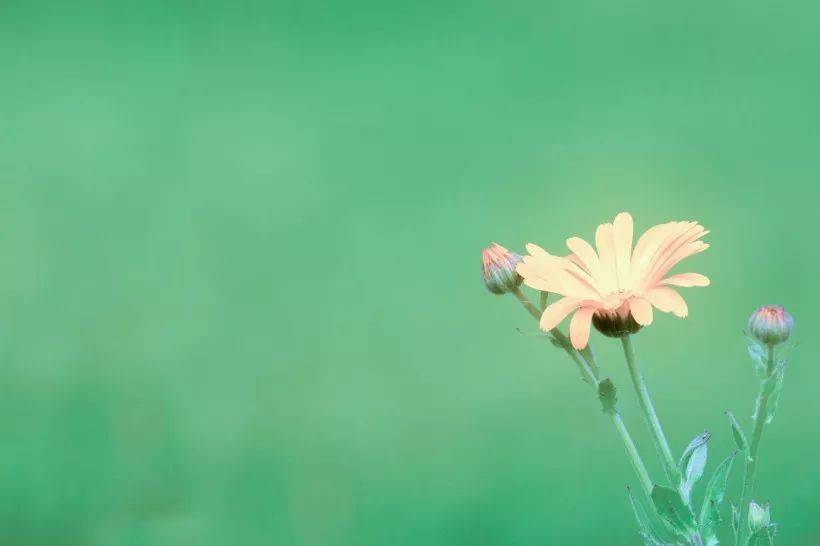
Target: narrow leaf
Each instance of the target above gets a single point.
(608, 396)
(735, 520)
(768, 385)
(764, 537)
(756, 352)
(775, 397)
(644, 522)
(737, 434)
(692, 463)
(715, 493)
(758, 355)
(673, 510)
(696, 442)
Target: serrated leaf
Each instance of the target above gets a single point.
(692, 463)
(673, 510)
(715, 493)
(644, 523)
(737, 433)
(608, 396)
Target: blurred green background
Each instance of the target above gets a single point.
(240, 299)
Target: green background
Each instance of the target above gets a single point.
(240, 299)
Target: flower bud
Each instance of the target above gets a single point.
(770, 325)
(498, 266)
(759, 517)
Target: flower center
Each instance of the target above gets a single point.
(615, 299)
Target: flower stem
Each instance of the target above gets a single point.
(649, 413)
(585, 360)
(751, 461)
(533, 310)
(632, 452)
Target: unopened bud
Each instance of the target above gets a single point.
(771, 325)
(759, 517)
(498, 266)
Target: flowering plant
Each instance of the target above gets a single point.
(615, 287)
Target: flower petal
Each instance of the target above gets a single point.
(579, 327)
(605, 243)
(690, 249)
(555, 313)
(668, 300)
(541, 270)
(687, 279)
(675, 235)
(622, 234)
(641, 310)
(645, 243)
(536, 250)
(585, 254)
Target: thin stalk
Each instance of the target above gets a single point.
(648, 408)
(533, 310)
(632, 452)
(751, 462)
(585, 361)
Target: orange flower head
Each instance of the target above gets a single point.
(615, 286)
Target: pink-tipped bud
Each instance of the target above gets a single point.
(498, 266)
(771, 325)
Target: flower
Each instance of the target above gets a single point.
(498, 266)
(616, 287)
(759, 517)
(771, 325)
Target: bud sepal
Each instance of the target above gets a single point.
(770, 325)
(498, 268)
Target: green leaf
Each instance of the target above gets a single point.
(763, 537)
(737, 434)
(608, 396)
(673, 510)
(715, 493)
(735, 520)
(644, 522)
(775, 397)
(758, 355)
(768, 385)
(692, 463)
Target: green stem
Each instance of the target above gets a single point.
(632, 452)
(533, 310)
(649, 413)
(751, 461)
(585, 360)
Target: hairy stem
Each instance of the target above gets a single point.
(649, 413)
(751, 461)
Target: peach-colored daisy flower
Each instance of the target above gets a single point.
(616, 287)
